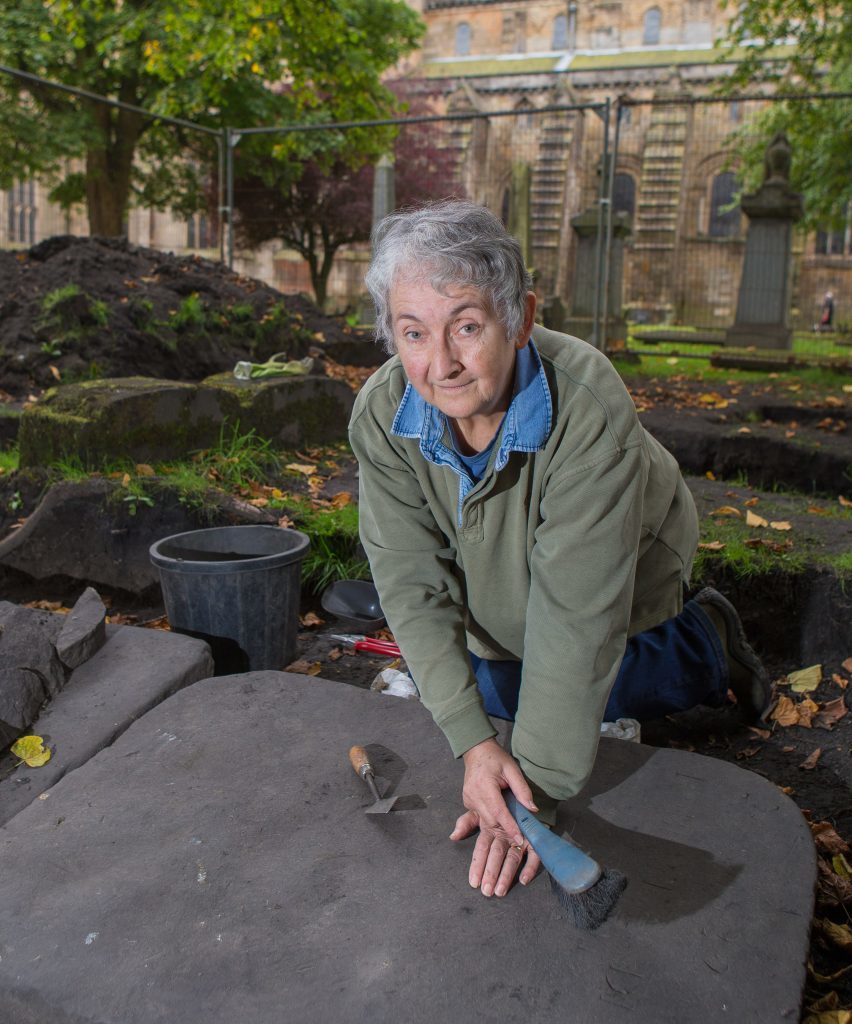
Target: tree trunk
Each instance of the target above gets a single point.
(109, 169)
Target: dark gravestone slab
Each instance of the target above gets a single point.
(215, 864)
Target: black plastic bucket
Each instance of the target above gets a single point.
(238, 588)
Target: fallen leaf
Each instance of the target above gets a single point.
(710, 474)
(755, 520)
(789, 434)
(810, 761)
(125, 480)
(763, 734)
(713, 545)
(807, 709)
(748, 752)
(846, 665)
(143, 469)
(55, 372)
(787, 789)
(341, 499)
(275, 492)
(840, 934)
(845, 502)
(840, 680)
(335, 654)
(744, 430)
(815, 510)
(787, 750)
(259, 502)
(841, 866)
(31, 751)
(305, 667)
(834, 402)
(299, 467)
(827, 839)
(830, 714)
(785, 712)
(726, 510)
(805, 679)
(781, 524)
(751, 502)
(286, 523)
(310, 619)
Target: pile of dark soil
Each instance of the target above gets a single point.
(80, 308)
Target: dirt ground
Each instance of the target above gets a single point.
(788, 437)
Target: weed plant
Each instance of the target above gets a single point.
(237, 460)
(9, 459)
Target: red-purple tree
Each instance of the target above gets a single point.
(329, 206)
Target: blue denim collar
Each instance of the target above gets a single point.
(526, 425)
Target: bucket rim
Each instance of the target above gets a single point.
(258, 563)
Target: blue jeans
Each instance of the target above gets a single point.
(672, 667)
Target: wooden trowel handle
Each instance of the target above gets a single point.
(360, 761)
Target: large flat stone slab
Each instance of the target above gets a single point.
(215, 864)
(134, 670)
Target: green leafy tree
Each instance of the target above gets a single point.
(213, 62)
(797, 46)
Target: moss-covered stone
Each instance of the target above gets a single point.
(147, 420)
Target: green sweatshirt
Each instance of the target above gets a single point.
(559, 557)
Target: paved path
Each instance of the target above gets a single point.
(215, 865)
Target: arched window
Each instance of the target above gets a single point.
(462, 39)
(651, 27)
(560, 33)
(724, 222)
(624, 194)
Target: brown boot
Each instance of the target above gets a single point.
(746, 675)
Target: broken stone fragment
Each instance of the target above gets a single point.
(27, 639)
(83, 632)
(22, 693)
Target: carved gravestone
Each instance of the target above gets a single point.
(763, 302)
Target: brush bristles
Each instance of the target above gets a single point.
(591, 908)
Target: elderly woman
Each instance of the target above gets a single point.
(529, 539)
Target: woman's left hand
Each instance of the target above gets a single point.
(495, 861)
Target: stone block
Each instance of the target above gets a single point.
(22, 693)
(83, 632)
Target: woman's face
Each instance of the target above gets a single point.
(454, 350)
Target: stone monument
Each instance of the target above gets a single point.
(763, 303)
(581, 318)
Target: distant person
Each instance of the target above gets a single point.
(826, 314)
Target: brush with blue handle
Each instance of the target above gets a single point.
(584, 889)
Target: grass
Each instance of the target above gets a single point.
(237, 459)
(9, 459)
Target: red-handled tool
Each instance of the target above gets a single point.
(366, 643)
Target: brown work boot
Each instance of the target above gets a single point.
(747, 677)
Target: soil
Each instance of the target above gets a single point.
(787, 437)
(136, 311)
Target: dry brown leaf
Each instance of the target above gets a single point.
(161, 623)
(305, 667)
(259, 502)
(781, 524)
(830, 714)
(751, 502)
(841, 682)
(341, 499)
(785, 712)
(810, 761)
(763, 734)
(310, 619)
(285, 522)
(54, 372)
(840, 934)
(787, 750)
(815, 510)
(726, 510)
(143, 469)
(845, 502)
(303, 468)
(827, 839)
(125, 480)
(335, 654)
(748, 752)
(755, 520)
(807, 709)
(710, 474)
(846, 665)
(744, 430)
(713, 545)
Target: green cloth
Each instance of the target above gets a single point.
(560, 557)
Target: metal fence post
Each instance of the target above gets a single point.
(232, 138)
(607, 258)
(603, 199)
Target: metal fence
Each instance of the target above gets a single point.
(627, 213)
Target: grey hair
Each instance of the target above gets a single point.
(454, 243)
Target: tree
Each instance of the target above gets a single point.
(330, 206)
(797, 46)
(241, 63)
